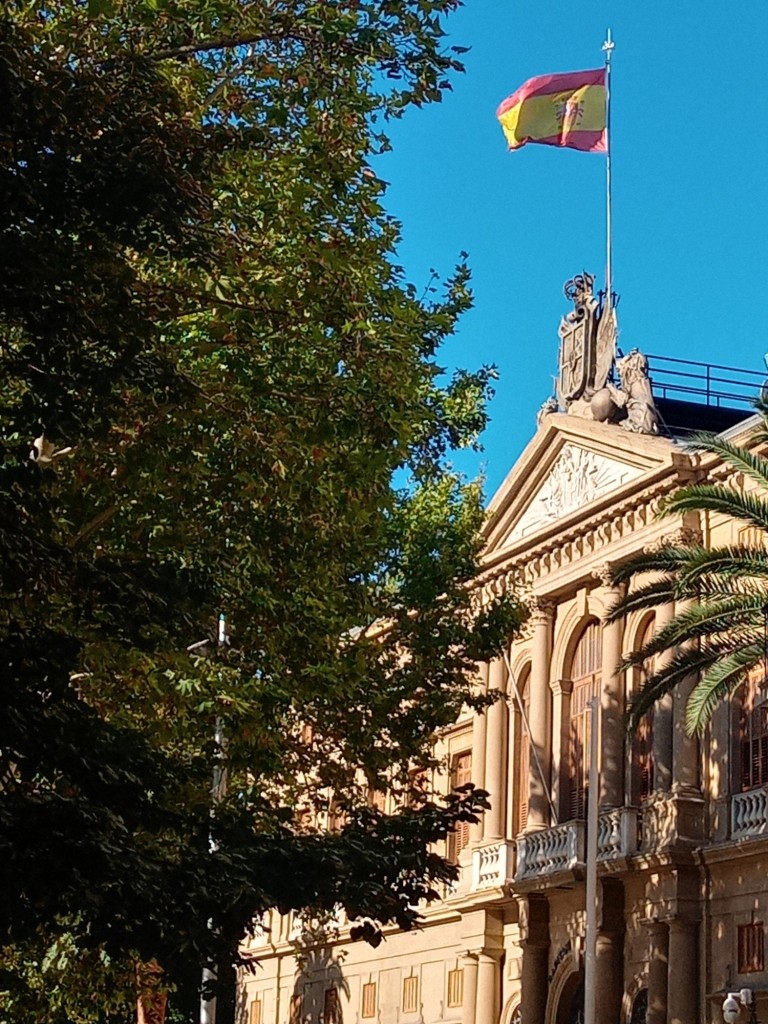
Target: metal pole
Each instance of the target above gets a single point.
(590, 937)
(524, 716)
(218, 792)
(608, 50)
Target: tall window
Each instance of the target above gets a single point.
(751, 953)
(522, 753)
(331, 1007)
(753, 734)
(585, 674)
(461, 774)
(642, 742)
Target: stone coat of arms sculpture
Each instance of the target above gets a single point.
(592, 382)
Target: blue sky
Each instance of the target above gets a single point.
(690, 161)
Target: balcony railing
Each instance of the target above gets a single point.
(550, 851)
(493, 865)
(562, 848)
(749, 813)
(617, 833)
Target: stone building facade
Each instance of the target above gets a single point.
(683, 825)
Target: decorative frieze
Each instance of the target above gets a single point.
(523, 569)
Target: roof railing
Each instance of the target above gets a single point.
(706, 383)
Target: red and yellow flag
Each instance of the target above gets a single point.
(558, 110)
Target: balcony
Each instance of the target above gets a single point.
(550, 851)
(749, 814)
(562, 848)
(493, 865)
(617, 834)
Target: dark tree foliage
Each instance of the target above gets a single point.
(213, 379)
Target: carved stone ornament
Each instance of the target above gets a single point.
(577, 340)
(577, 477)
(588, 368)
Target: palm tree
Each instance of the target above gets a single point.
(721, 635)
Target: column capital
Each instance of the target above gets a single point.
(542, 610)
(603, 575)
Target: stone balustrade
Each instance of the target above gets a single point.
(749, 813)
(617, 833)
(550, 850)
(493, 865)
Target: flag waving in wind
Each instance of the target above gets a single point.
(558, 110)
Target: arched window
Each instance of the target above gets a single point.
(642, 741)
(585, 675)
(753, 734)
(522, 766)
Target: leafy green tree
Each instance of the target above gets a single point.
(220, 396)
(720, 635)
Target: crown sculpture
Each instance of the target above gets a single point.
(592, 381)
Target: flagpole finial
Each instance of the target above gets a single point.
(608, 45)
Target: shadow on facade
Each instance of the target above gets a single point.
(318, 984)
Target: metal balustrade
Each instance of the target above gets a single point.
(749, 813)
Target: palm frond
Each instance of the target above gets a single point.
(748, 508)
(667, 559)
(730, 616)
(728, 562)
(717, 587)
(685, 663)
(754, 465)
(718, 682)
(649, 596)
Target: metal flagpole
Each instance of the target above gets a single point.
(591, 909)
(608, 50)
(218, 792)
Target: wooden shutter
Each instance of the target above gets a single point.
(254, 1015)
(331, 1006)
(751, 942)
(585, 673)
(523, 767)
(642, 741)
(753, 735)
(462, 774)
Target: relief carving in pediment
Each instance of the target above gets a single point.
(577, 477)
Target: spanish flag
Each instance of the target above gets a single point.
(558, 110)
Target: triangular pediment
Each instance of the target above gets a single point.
(570, 467)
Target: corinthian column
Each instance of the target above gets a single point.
(663, 716)
(611, 699)
(538, 790)
(685, 748)
(495, 751)
(478, 752)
